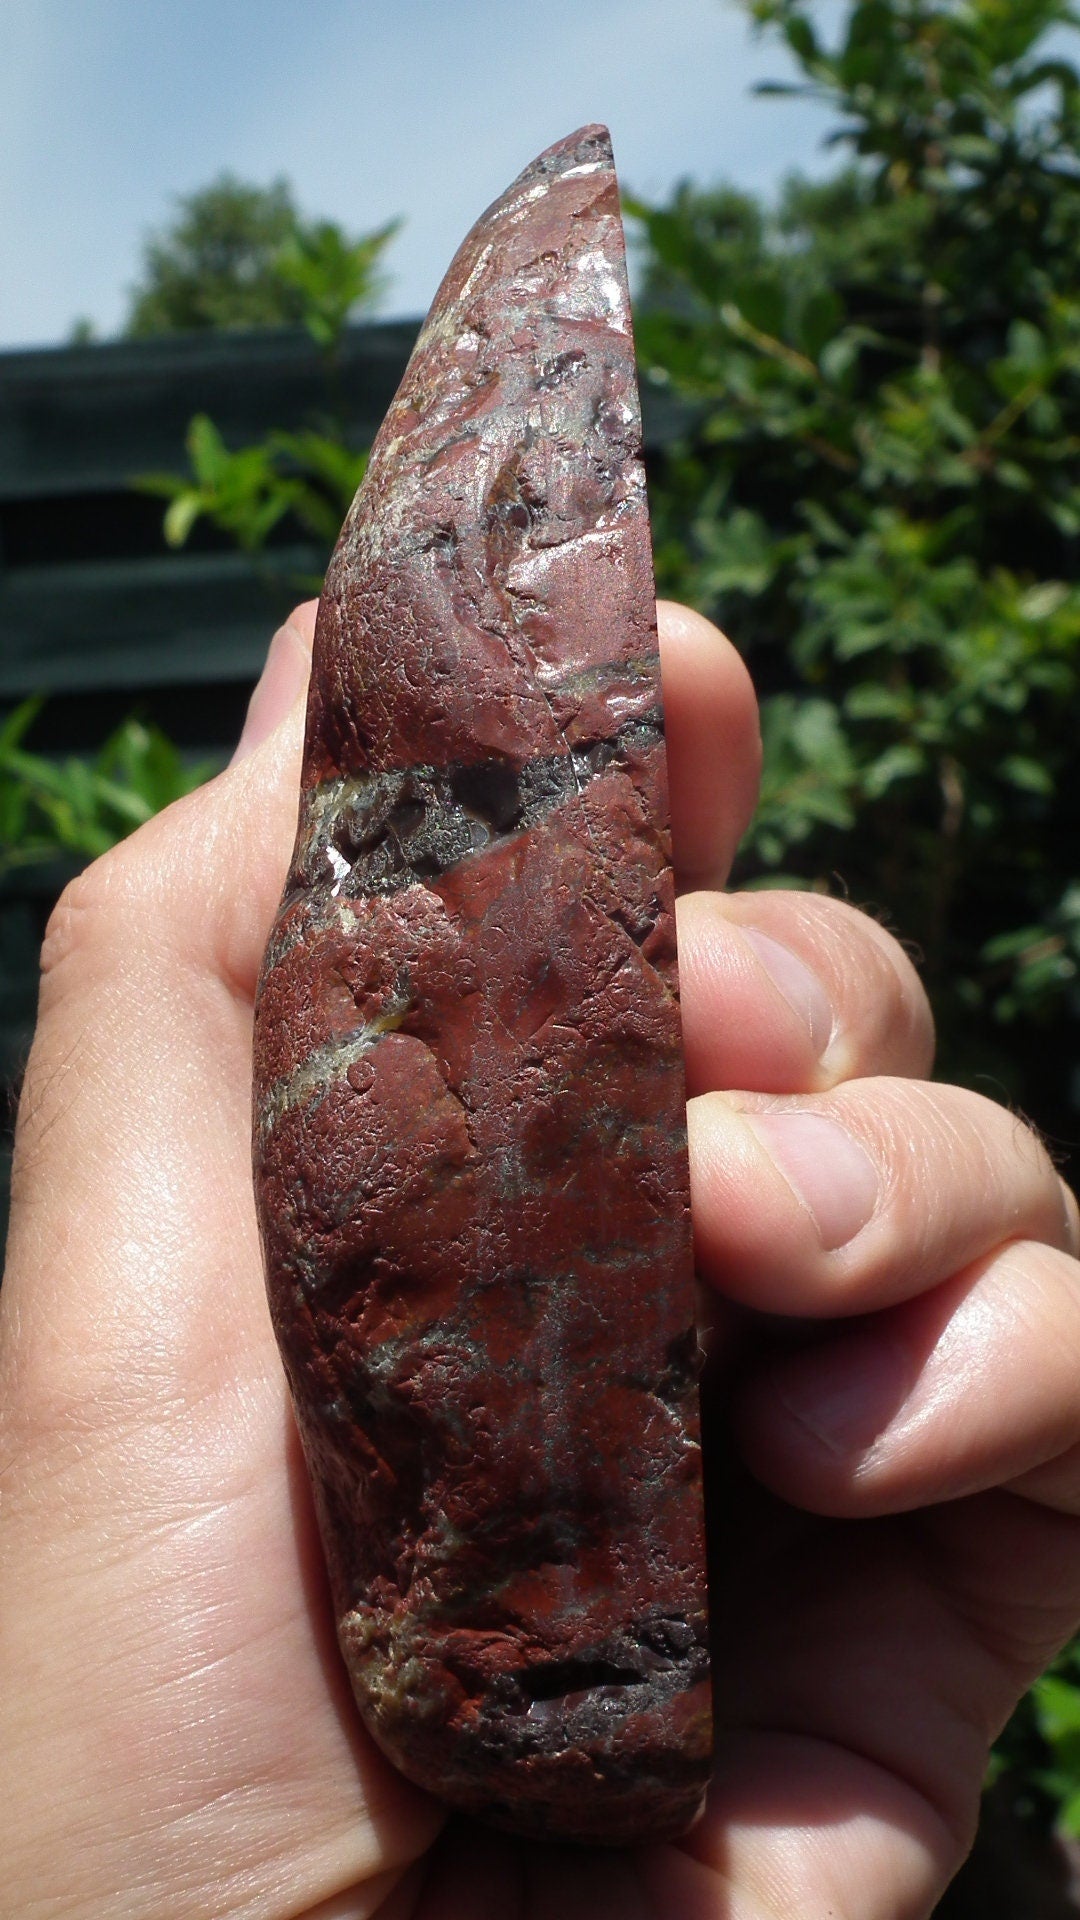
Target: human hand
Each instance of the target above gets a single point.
(896, 1556)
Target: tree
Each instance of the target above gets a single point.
(878, 493)
(232, 243)
(239, 255)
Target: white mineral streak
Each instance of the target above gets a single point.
(515, 209)
(341, 869)
(328, 1064)
(594, 262)
(443, 324)
(324, 805)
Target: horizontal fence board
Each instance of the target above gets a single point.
(200, 618)
(87, 419)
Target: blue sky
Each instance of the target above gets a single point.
(424, 108)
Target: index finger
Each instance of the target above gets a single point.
(714, 744)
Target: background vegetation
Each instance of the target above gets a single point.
(238, 256)
(878, 494)
(876, 491)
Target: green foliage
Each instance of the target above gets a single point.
(331, 276)
(80, 807)
(878, 491)
(240, 256)
(310, 475)
(1056, 1703)
(1039, 1752)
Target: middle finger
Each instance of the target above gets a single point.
(858, 1198)
(787, 992)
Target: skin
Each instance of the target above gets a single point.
(899, 1546)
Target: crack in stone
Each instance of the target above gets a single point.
(412, 825)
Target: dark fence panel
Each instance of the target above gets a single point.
(90, 597)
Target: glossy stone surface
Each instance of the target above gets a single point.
(470, 1114)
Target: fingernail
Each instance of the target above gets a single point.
(828, 1171)
(800, 988)
(288, 664)
(848, 1394)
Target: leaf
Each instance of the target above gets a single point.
(207, 450)
(181, 515)
(1030, 776)
(801, 38)
(1043, 601)
(1068, 1819)
(1057, 1703)
(837, 357)
(17, 725)
(83, 806)
(900, 762)
(872, 700)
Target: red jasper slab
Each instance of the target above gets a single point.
(470, 1143)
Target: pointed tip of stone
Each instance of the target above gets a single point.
(588, 150)
(589, 143)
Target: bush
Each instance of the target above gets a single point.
(878, 494)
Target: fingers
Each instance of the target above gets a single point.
(970, 1386)
(714, 747)
(864, 1642)
(799, 1823)
(858, 1198)
(794, 992)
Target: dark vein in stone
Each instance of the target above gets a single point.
(381, 832)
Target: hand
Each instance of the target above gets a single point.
(897, 1554)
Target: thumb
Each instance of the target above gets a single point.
(138, 1083)
(156, 1542)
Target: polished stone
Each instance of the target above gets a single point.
(470, 1108)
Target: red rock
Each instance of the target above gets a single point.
(470, 1121)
